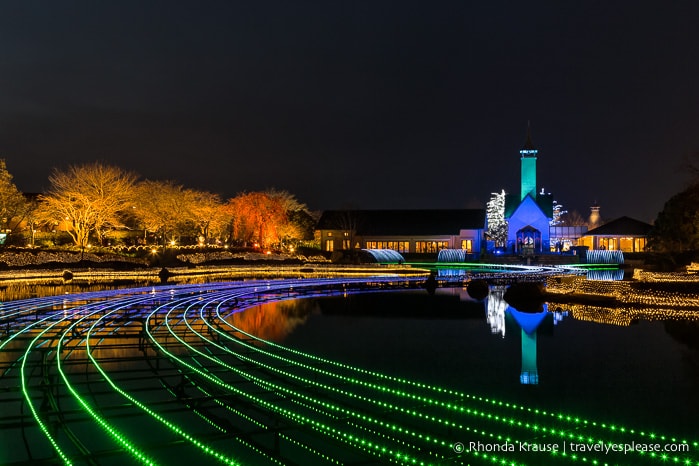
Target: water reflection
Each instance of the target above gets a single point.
(274, 321)
(445, 303)
(625, 315)
(605, 274)
(14, 290)
(496, 306)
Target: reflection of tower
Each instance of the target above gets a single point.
(528, 322)
(529, 374)
(594, 220)
(528, 180)
(496, 305)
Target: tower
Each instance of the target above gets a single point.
(528, 180)
(594, 220)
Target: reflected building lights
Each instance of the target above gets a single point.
(528, 323)
(496, 306)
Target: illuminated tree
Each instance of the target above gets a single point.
(204, 211)
(87, 198)
(32, 219)
(13, 205)
(495, 214)
(265, 218)
(558, 213)
(160, 207)
(297, 224)
(256, 217)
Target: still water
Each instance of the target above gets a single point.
(644, 375)
(365, 375)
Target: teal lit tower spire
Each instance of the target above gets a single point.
(528, 154)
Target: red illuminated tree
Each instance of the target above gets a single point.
(265, 218)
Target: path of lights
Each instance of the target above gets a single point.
(209, 392)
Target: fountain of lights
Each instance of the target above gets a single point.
(159, 375)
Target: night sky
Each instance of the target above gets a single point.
(364, 104)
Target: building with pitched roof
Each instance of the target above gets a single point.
(622, 234)
(407, 231)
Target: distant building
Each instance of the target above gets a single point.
(623, 234)
(406, 231)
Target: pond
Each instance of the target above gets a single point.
(643, 373)
(335, 371)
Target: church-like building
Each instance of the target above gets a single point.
(528, 213)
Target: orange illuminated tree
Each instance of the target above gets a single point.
(205, 213)
(264, 218)
(158, 207)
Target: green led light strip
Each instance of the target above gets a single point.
(358, 442)
(113, 433)
(171, 426)
(28, 399)
(296, 378)
(365, 418)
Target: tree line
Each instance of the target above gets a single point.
(676, 228)
(104, 204)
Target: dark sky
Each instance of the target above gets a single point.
(369, 104)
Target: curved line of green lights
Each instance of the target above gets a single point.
(314, 401)
(347, 437)
(17, 309)
(261, 382)
(112, 431)
(431, 441)
(28, 399)
(170, 425)
(261, 425)
(68, 315)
